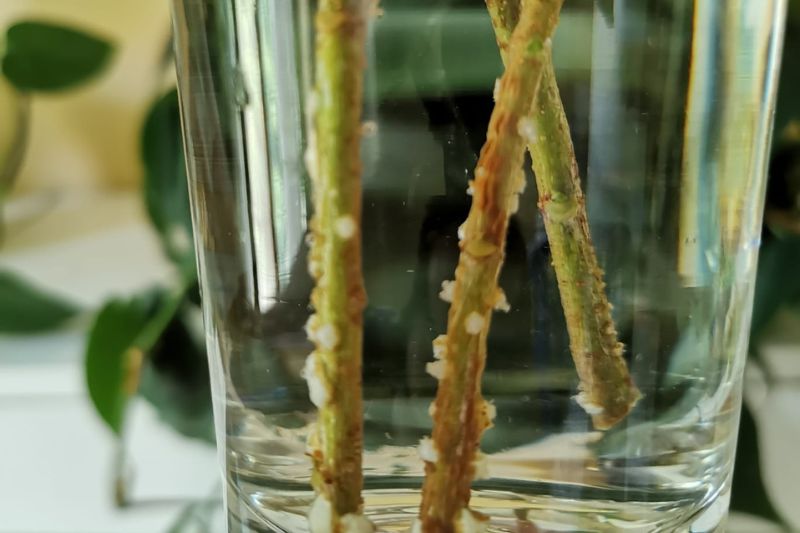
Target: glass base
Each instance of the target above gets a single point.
(393, 510)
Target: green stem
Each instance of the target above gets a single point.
(461, 415)
(334, 368)
(607, 391)
(154, 329)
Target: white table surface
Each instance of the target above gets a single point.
(56, 454)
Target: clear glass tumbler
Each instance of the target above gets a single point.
(669, 108)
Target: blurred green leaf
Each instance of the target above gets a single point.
(41, 56)
(175, 381)
(142, 346)
(748, 494)
(165, 188)
(124, 332)
(111, 356)
(26, 309)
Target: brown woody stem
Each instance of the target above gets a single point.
(607, 391)
(333, 370)
(461, 415)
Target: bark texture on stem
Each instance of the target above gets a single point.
(333, 370)
(607, 391)
(460, 414)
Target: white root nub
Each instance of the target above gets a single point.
(526, 129)
(320, 515)
(474, 323)
(491, 411)
(469, 523)
(591, 408)
(317, 390)
(500, 301)
(446, 293)
(311, 327)
(320, 519)
(327, 337)
(314, 269)
(440, 347)
(356, 523)
(345, 227)
(435, 369)
(427, 450)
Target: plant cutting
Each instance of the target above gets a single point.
(333, 369)
(607, 392)
(460, 415)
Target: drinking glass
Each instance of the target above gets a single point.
(669, 105)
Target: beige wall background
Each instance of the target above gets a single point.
(89, 137)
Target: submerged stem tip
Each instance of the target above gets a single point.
(333, 371)
(460, 414)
